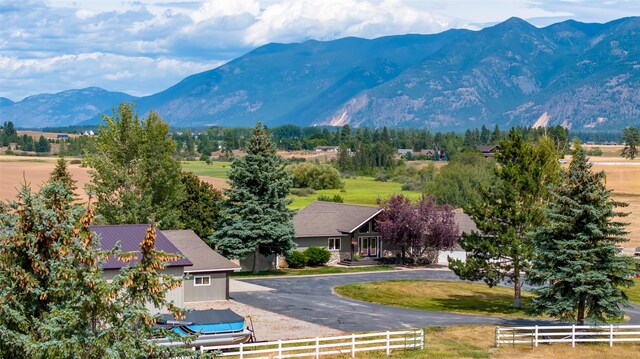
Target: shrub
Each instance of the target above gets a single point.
(296, 259)
(326, 198)
(317, 256)
(302, 192)
(75, 162)
(316, 176)
(204, 157)
(596, 151)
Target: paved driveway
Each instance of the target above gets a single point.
(311, 298)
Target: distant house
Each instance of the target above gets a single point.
(407, 152)
(327, 149)
(63, 136)
(428, 152)
(209, 271)
(489, 151)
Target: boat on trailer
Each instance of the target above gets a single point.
(212, 327)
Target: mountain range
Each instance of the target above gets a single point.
(578, 75)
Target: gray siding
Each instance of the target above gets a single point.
(216, 290)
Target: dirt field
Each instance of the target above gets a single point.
(47, 135)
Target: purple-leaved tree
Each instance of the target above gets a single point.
(418, 228)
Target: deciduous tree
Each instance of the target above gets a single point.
(133, 173)
(419, 228)
(577, 269)
(200, 209)
(256, 219)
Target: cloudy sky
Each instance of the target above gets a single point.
(142, 47)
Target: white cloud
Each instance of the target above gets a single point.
(145, 46)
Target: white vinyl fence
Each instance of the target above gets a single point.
(567, 334)
(316, 347)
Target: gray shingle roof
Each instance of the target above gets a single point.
(204, 258)
(331, 219)
(130, 236)
(465, 223)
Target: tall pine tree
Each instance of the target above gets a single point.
(577, 264)
(506, 212)
(256, 219)
(61, 174)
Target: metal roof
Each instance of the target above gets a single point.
(130, 236)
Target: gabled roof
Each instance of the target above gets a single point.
(465, 223)
(130, 236)
(321, 219)
(490, 148)
(204, 258)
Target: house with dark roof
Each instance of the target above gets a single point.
(489, 151)
(208, 270)
(349, 230)
(209, 275)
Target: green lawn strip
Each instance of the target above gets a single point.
(441, 296)
(634, 292)
(359, 190)
(217, 169)
(311, 271)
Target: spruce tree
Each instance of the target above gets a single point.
(61, 174)
(256, 219)
(506, 212)
(577, 264)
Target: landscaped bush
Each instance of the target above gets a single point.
(75, 162)
(296, 259)
(317, 256)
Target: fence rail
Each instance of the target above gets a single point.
(316, 347)
(573, 334)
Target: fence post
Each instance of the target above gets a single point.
(610, 335)
(573, 335)
(497, 337)
(388, 349)
(279, 348)
(241, 352)
(317, 347)
(353, 345)
(422, 339)
(535, 340)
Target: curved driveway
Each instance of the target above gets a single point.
(310, 298)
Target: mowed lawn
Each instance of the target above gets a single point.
(634, 292)
(357, 190)
(442, 296)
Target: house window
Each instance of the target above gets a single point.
(364, 229)
(201, 280)
(334, 244)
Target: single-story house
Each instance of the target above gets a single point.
(347, 230)
(209, 275)
(209, 271)
(404, 151)
(489, 151)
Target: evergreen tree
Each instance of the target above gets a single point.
(55, 301)
(507, 212)
(256, 219)
(61, 174)
(201, 207)
(133, 173)
(631, 137)
(577, 265)
(42, 145)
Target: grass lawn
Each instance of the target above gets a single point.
(217, 169)
(442, 296)
(314, 270)
(358, 190)
(634, 292)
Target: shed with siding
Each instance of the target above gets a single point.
(209, 275)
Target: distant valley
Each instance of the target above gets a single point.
(582, 76)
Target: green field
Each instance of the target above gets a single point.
(358, 190)
(634, 292)
(217, 169)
